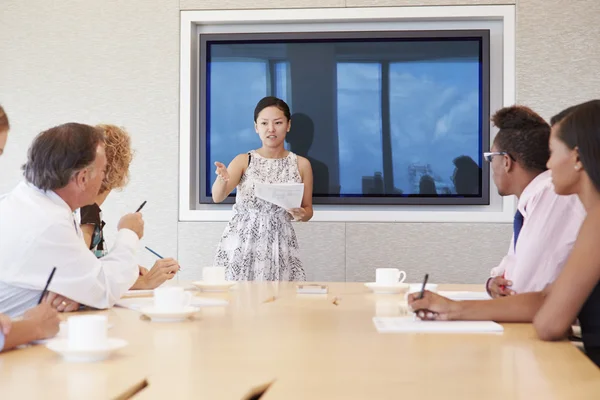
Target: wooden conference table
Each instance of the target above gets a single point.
(309, 348)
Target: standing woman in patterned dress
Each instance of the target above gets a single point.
(259, 243)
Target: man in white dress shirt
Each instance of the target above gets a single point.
(64, 171)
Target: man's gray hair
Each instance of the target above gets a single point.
(59, 153)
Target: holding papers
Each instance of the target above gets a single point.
(285, 195)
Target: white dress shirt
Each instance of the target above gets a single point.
(38, 231)
(550, 227)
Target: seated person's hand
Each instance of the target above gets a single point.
(297, 213)
(498, 287)
(134, 222)
(5, 324)
(61, 303)
(162, 271)
(432, 306)
(45, 318)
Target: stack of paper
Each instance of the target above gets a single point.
(465, 295)
(414, 325)
(140, 302)
(285, 195)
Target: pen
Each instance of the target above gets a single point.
(140, 209)
(47, 284)
(153, 252)
(156, 254)
(423, 287)
(502, 287)
(422, 294)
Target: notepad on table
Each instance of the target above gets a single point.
(463, 295)
(415, 325)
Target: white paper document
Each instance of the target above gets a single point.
(285, 195)
(138, 303)
(462, 295)
(415, 325)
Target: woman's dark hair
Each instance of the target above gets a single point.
(59, 153)
(524, 135)
(581, 129)
(562, 115)
(271, 101)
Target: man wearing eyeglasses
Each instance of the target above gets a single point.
(545, 224)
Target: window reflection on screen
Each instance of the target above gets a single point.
(359, 127)
(434, 114)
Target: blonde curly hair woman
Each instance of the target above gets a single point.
(118, 158)
(117, 145)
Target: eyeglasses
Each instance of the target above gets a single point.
(489, 155)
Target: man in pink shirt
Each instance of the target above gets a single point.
(545, 224)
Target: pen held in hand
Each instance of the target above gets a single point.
(156, 254)
(423, 287)
(140, 207)
(47, 284)
(421, 294)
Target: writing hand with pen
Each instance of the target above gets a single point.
(432, 306)
(429, 306)
(162, 271)
(499, 287)
(56, 301)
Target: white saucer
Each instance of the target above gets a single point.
(169, 316)
(61, 346)
(392, 288)
(214, 286)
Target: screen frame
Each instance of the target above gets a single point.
(483, 35)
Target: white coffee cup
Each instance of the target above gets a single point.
(86, 332)
(389, 276)
(171, 298)
(213, 274)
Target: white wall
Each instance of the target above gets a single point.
(117, 62)
(98, 61)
